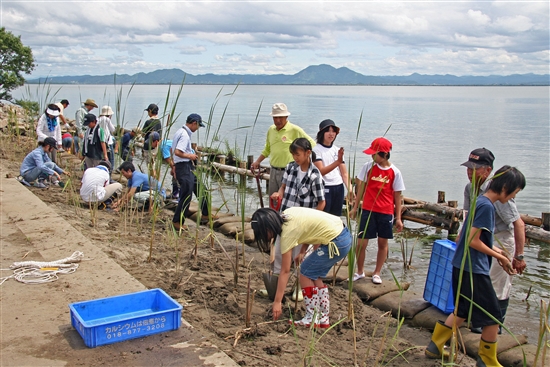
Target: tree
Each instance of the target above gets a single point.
(15, 58)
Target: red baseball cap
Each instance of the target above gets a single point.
(379, 145)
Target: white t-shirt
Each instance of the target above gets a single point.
(94, 181)
(107, 125)
(329, 156)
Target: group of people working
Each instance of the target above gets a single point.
(304, 186)
(307, 187)
(94, 141)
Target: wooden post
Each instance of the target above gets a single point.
(453, 203)
(242, 164)
(440, 197)
(249, 160)
(546, 221)
(221, 158)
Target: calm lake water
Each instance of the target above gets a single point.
(432, 129)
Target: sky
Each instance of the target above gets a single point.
(282, 37)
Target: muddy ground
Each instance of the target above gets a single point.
(204, 283)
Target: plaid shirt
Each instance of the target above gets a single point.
(306, 193)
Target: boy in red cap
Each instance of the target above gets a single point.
(379, 186)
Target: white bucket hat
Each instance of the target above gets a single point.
(279, 110)
(106, 111)
(54, 113)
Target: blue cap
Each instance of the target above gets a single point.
(154, 136)
(195, 117)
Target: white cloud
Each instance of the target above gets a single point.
(478, 17)
(378, 37)
(191, 50)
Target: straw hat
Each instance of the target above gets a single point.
(106, 111)
(90, 102)
(279, 110)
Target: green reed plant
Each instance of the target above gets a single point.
(543, 341)
(155, 161)
(43, 93)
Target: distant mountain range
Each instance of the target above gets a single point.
(312, 75)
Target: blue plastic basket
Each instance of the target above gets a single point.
(439, 287)
(135, 315)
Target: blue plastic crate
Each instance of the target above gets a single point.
(439, 287)
(135, 315)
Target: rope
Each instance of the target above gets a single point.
(38, 272)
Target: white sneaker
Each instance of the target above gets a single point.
(376, 279)
(358, 276)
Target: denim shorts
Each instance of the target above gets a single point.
(318, 264)
(374, 225)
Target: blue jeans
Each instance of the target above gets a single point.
(318, 264)
(37, 172)
(111, 155)
(76, 141)
(67, 143)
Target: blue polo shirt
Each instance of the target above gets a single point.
(140, 181)
(165, 147)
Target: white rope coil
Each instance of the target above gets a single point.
(38, 272)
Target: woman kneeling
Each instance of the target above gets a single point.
(302, 226)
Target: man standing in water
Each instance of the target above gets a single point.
(509, 231)
(279, 137)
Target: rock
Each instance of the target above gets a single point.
(368, 291)
(228, 219)
(404, 304)
(231, 229)
(505, 342)
(514, 356)
(248, 235)
(428, 317)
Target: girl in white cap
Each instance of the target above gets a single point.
(48, 126)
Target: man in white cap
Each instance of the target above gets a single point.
(279, 137)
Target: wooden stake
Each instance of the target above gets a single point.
(546, 221)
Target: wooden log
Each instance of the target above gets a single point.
(537, 233)
(440, 197)
(413, 206)
(444, 210)
(412, 201)
(453, 203)
(249, 161)
(546, 221)
(426, 218)
(239, 171)
(534, 221)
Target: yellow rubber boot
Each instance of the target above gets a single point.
(487, 354)
(441, 334)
